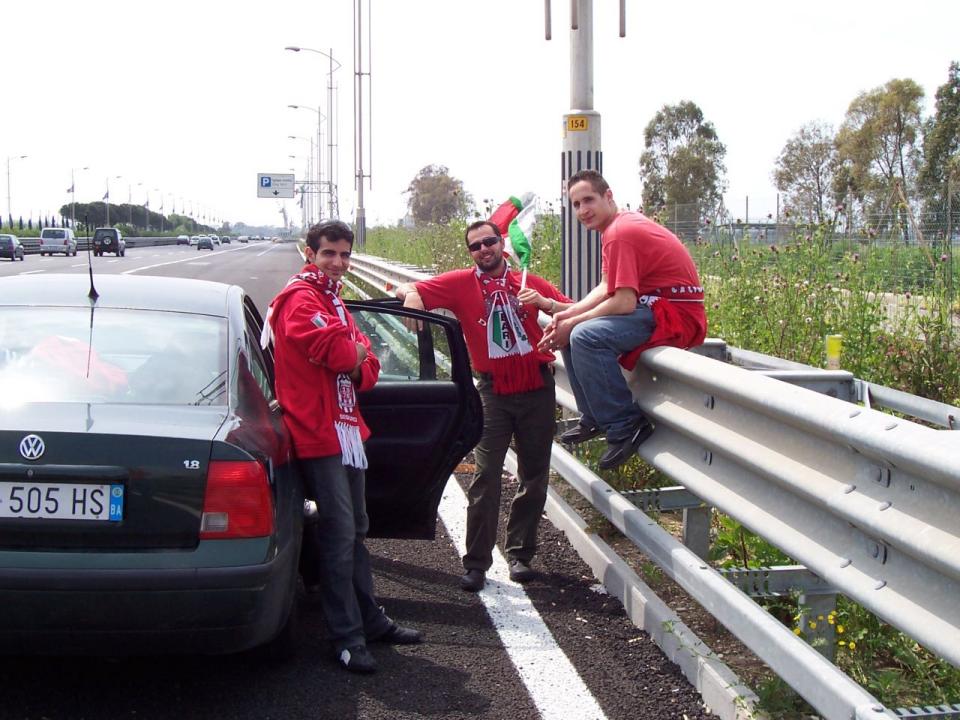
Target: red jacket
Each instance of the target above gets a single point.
(311, 348)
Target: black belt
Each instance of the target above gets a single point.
(488, 377)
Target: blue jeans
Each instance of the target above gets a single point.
(337, 545)
(591, 362)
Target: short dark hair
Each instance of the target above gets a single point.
(595, 179)
(478, 224)
(332, 230)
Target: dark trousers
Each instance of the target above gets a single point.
(530, 419)
(336, 543)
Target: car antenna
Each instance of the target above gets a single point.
(93, 294)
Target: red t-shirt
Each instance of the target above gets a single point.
(459, 291)
(649, 259)
(646, 257)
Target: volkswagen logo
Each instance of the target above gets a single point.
(32, 447)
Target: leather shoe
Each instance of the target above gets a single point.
(618, 453)
(397, 635)
(580, 433)
(473, 580)
(520, 571)
(357, 659)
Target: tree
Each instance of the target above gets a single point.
(682, 164)
(436, 197)
(941, 143)
(805, 169)
(878, 143)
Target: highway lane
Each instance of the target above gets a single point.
(465, 669)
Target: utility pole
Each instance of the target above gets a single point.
(580, 257)
(358, 86)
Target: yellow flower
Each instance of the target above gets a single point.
(852, 645)
(842, 642)
(819, 617)
(839, 628)
(830, 619)
(813, 625)
(797, 631)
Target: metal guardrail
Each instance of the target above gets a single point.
(867, 501)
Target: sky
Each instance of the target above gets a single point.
(187, 101)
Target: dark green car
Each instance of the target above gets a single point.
(149, 500)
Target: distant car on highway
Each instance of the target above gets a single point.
(205, 242)
(183, 239)
(243, 239)
(108, 239)
(10, 247)
(58, 240)
(225, 239)
(150, 498)
(215, 238)
(194, 239)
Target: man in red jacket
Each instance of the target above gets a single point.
(321, 360)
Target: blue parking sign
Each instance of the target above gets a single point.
(266, 181)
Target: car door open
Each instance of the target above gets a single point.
(424, 415)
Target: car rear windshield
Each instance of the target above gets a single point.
(111, 355)
(6, 241)
(53, 234)
(104, 235)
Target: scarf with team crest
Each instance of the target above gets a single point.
(347, 421)
(515, 366)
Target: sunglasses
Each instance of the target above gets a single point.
(486, 242)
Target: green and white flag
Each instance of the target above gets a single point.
(520, 235)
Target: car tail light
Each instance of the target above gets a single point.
(237, 503)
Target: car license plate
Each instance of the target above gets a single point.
(61, 501)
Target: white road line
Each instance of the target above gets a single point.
(31, 272)
(550, 678)
(80, 265)
(272, 247)
(174, 262)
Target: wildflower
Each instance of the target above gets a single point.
(907, 295)
(756, 298)
(716, 306)
(735, 258)
(831, 619)
(773, 248)
(812, 624)
(809, 320)
(840, 629)
(852, 645)
(819, 617)
(797, 631)
(856, 257)
(716, 253)
(943, 258)
(842, 642)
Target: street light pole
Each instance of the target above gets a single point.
(9, 207)
(334, 205)
(358, 75)
(319, 166)
(73, 196)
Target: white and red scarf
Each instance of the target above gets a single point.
(347, 421)
(515, 367)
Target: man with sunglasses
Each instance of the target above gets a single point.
(516, 385)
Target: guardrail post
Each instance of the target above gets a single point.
(815, 625)
(696, 530)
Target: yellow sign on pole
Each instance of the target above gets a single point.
(834, 346)
(577, 123)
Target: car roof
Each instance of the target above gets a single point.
(144, 292)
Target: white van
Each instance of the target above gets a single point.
(58, 240)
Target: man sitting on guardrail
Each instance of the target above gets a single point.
(516, 386)
(649, 295)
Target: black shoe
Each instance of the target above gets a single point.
(618, 453)
(397, 635)
(580, 433)
(357, 659)
(473, 580)
(521, 572)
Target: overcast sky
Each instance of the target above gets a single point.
(189, 99)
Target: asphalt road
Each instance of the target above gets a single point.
(467, 668)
